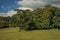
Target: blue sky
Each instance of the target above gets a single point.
(7, 6)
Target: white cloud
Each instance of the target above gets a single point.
(24, 8)
(2, 14)
(31, 3)
(37, 3)
(10, 13)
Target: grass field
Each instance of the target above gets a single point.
(14, 34)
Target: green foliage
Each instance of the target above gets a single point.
(4, 22)
(55, 16)
(40, 18)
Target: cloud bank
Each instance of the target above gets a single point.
(38, 3)
(10, 13)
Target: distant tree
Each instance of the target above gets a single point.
(55, 16)
(42, 18)
(4, 22)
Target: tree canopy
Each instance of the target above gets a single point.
(47, 17)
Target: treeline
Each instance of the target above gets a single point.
(47, 17)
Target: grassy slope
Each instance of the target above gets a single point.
(14, 34)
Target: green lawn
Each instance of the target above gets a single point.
(14, 34)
